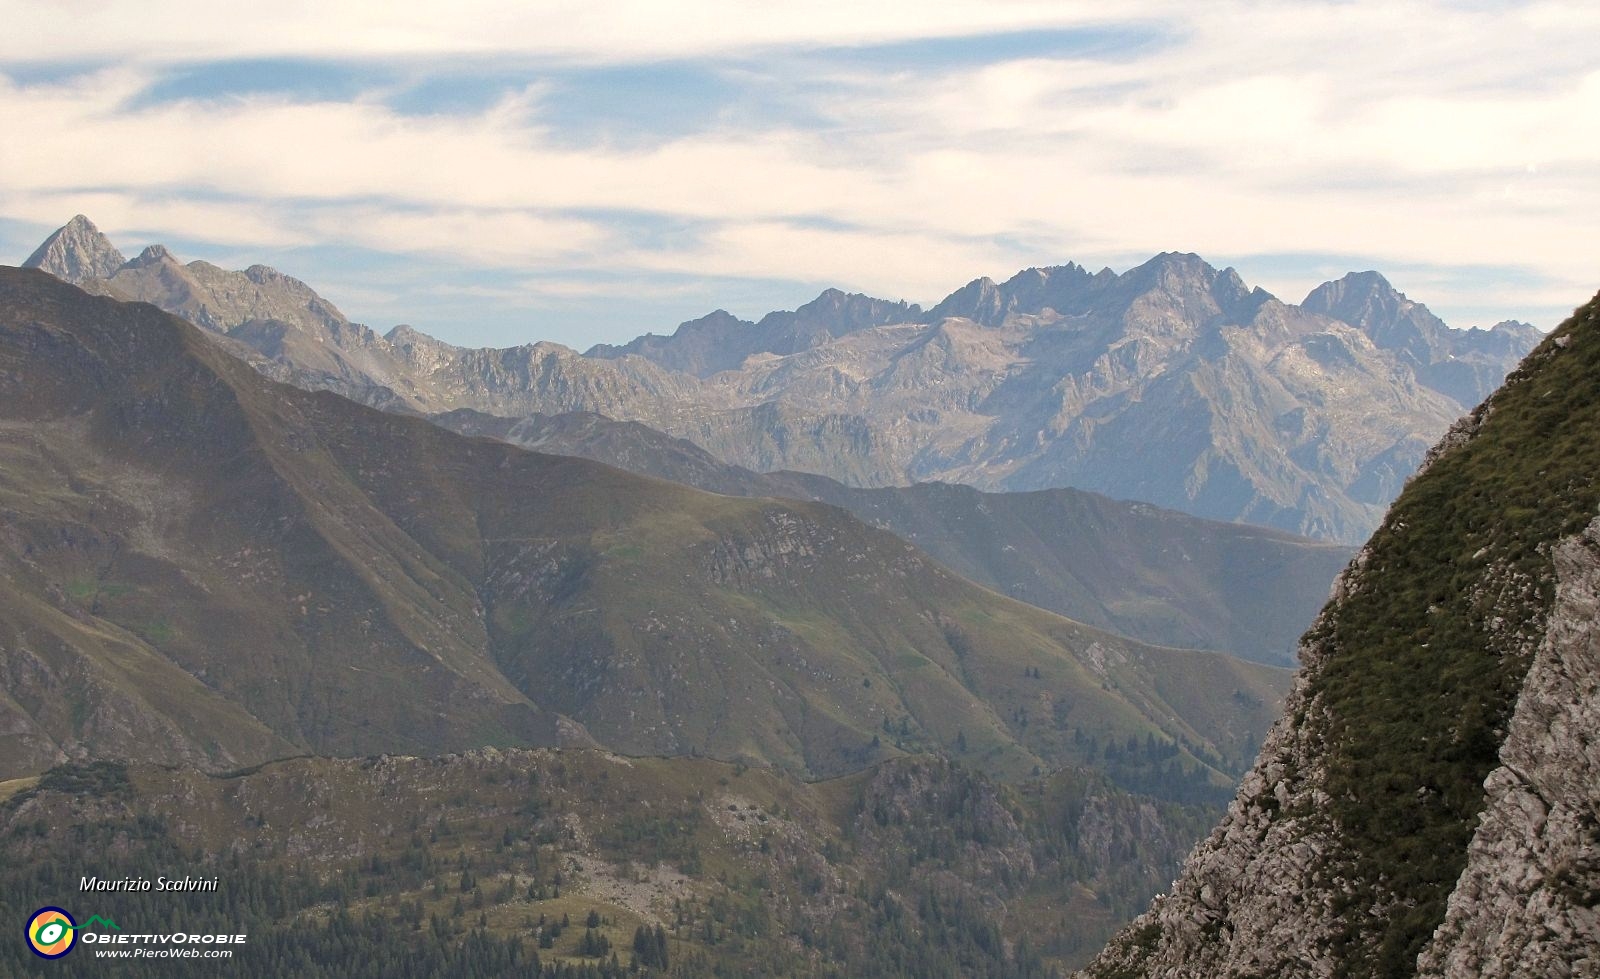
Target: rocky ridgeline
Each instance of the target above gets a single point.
(1305, 418)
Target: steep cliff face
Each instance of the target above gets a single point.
(1429, 805)
(1528, 903)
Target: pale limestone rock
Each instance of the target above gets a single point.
(1528, 903)
(77, 253)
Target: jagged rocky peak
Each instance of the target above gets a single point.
(720, 341)
(1086, 363)
(1229, 283)
(979, 300)
(1503, 338)
(1071, 290)
(1063, 288)
(405, 333)
(76, 252)
(829, 301)
(1180, 292)
(1357, 298)
(1513, 326)
(1172, 272)
(153, 255)
(1235, 298)
(407, 337)
(1367, 301)
(714, 327)
(717, 319)
(266, 274)
(261, 307)
(836, 313)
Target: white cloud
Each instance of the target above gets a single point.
(1416, 133)
(893, 265)
(618, 30)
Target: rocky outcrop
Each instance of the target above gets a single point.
(1253, 899)
(1528, 903)
(1261, 896)
(1428, 805)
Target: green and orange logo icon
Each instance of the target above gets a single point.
(51, 933)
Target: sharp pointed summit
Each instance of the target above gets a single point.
(980, 301)
(77, 252)
(153, 255)
(1464, 364)
(1369, 303)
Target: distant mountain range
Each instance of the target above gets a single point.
(1149, 574)
(202, 566)
(1173, 383)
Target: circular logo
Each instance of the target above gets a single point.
(51, 933)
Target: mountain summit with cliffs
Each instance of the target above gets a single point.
(1173, 383)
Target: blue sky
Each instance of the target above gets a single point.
(496, 173)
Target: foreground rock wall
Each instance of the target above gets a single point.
(1528, 903)
(1429, 805)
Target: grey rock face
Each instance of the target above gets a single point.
(1528, 903)
(1257, 898)
(77, 252)
(721, 341)
(1465, 365)
(1251, 900)
(1172, 383)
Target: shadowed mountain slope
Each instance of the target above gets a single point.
(1154, 575)
(205, 566)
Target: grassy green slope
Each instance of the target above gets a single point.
(155, 492)
(1137, 570)
(1155, 575)
(1420, 664)
(673, 620)
(347, 582)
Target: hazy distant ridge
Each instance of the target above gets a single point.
(1172, 383)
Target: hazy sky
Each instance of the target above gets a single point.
(495, 173)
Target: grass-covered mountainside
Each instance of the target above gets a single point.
(203, 566)
(1452, 595)
(1155, 575)
(1366, 798)
(524, 863)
